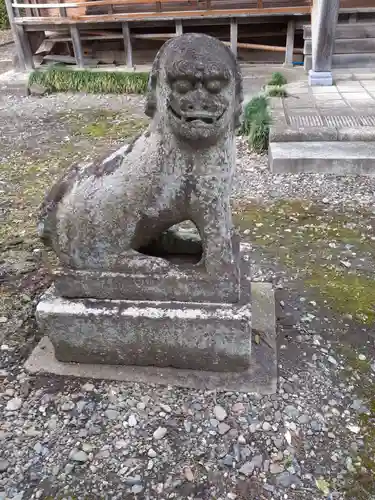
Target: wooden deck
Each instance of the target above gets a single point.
(101, 11)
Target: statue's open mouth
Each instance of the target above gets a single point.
(197, 117)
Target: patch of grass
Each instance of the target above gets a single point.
(277, 79)
(258, 138)
(4, 21)
(277, 92)
(96, 82)
(256, 123)
(257, 106)
(30, 180)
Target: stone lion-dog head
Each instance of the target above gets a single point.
(195, 89)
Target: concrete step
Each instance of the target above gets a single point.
(347, 61)
(345, 31)
(351, 46)
(336, 158)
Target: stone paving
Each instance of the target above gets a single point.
(346, 104)
(327, 130)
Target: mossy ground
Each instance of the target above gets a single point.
(29, 174)
(333, 253)
(104, 124)
(323, 246)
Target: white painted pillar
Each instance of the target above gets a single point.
(179, 27)
(234, 35)
(323, 33)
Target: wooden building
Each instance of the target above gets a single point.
(90, 32)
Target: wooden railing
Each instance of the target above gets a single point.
(25, 12)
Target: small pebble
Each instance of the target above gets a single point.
(160, 433)
(14, 404)
(220, 413)
(132, 421)
(78, 456)
(223, 428)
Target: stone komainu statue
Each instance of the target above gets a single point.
(100, 215)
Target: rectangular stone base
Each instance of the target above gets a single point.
(148, 279)
(187, 335)
(171, 285)
(320, 78)
(260, 377)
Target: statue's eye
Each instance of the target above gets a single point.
(214, 86)
(182, 86)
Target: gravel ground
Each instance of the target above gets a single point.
(312, 236)
(5, 37)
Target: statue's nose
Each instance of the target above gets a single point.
(188, 106)
(197, 101)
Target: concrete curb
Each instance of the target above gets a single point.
(282, 133)
(338, 158)
(366, 134)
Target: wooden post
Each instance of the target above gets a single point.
(37, 11)
(179, 27)
(289, 49)
(323, 33)
(128, 45)
(26, 47)
(21, 40)
(233, 35)
(62, 11)
(77, 46)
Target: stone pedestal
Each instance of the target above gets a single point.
(259, 377)
(134, 294)
(171, 316)
(186, 335)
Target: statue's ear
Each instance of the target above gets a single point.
(151, 104)
(151, 101)
(237, 75)
(239, 96)
(239, 100)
